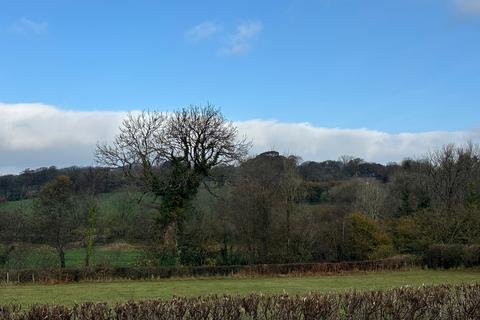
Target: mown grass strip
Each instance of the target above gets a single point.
(119, 291)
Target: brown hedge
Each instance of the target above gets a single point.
(102, 274)
(435, 302)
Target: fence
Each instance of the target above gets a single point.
(137, 273)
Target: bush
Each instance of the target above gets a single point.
(471, 256)
(452, 256)
(408, 234)
(366, 239)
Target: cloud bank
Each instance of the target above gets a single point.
(471, 7)
(36, 135)
(318, 143)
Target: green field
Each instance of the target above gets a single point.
(75, 258)
(25, 205)
(118, 291)
(44, 257)
(107, 203)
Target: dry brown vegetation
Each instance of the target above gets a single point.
(437, 302)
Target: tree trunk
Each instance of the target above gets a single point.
(90, 235)
(170, 241)
(288, 230)
(61, 254)
(225, 247)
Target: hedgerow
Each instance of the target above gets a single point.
(138, 273)
(434, 302)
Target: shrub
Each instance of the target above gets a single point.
(452, 256)
(365, 238)
(408, 234)
(471, 256)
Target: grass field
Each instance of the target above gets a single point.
(106, 202)
(109, 205)
(25, 205)
(75, 258)
(42, 257)
(118, 291)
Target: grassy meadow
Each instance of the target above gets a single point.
(104, 255)
(118, 291)
(107, 203)
(44, 257)
(114, 255)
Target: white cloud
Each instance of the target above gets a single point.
(319, 143)
(203, 31)
(27, 26)
(241, 41)
(468, 6)
(35, 135)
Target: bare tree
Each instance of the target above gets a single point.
(370, 198)
(452, 175)
(264, 204)
(449, 171)
(169, 155)
(56, 217)
(291, 191)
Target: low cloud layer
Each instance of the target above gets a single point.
(37, 135)
(471, 7)
(317, 143)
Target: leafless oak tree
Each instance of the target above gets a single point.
(169, 154)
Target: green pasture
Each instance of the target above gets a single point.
(104, 256)
(118, 291)
(44, 257)
(108, 204)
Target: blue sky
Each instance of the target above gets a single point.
(394, 66)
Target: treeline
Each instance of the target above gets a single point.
(276, 209)
(189, 196)
(27, 184)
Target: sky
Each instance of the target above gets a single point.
(382, 80)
